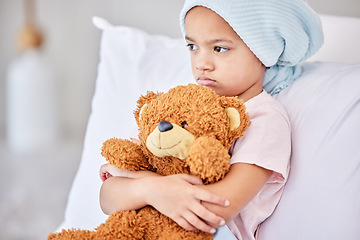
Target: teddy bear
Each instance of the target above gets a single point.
(188, 129)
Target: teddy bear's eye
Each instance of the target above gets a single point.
(183, 124)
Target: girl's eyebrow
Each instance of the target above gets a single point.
(188, 38)
(219, 40)
(213, 41)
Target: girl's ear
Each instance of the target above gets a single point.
(142, 102)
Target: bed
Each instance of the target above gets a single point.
(322, 197)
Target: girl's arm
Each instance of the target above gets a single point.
(107, 170)
(118, 182)
(241, 184)
(183, 198)
(175, 196)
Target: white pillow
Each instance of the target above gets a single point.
(132, 61)
(321, 199)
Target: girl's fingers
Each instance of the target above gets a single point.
(197, 223)
(201, 217)
(177, 197)
(191, 179)
(107, 170)
(182, 222)
(103, 169)
(102, 173)
(209, 217)
(207, 196)
(203, 195)
(102, 177)
(105, 175)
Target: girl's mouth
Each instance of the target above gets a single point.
(205, 81)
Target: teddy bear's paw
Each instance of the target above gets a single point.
(133, 224)
(208, 159)
(71, 234)
(124, 154)
(174, 231)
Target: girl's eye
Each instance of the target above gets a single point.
(220, 49)
(192, 47)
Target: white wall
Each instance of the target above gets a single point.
(337, 7)
(72, 42)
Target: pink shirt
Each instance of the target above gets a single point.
(266, 143)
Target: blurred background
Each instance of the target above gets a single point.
(49, 51)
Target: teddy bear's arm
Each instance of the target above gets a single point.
(208, 159)
(124, 154)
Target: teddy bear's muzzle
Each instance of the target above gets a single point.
(170, 139)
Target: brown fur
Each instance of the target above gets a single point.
(207, 158)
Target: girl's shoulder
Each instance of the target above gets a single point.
(265, 105)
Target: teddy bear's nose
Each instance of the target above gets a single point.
(164, 126)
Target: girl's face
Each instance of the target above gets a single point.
(220, 59)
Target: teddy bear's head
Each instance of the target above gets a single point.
(170, 122)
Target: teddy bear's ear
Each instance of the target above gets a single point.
(234, 117)
(141, 110)
(143, 101)
(236, 111)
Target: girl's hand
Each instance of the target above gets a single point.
(177, 197)
(107, 170)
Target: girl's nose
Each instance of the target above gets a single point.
(204, 62)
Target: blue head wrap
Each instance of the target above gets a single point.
(281, 33)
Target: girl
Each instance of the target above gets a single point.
(237, 48)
